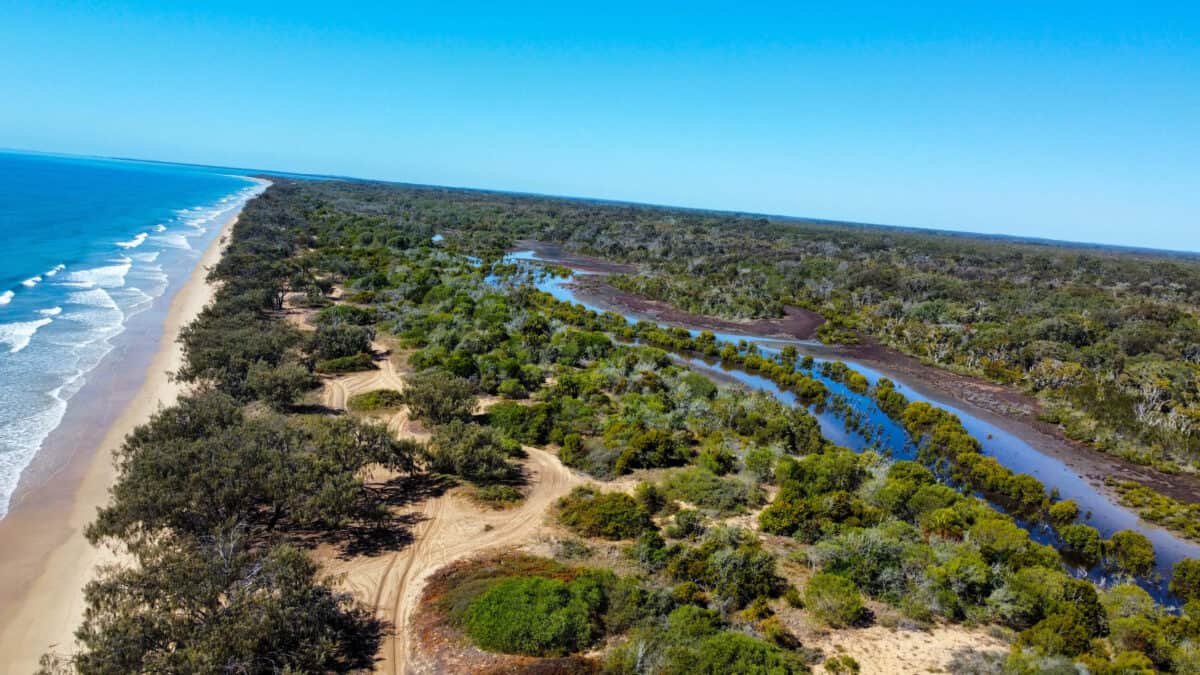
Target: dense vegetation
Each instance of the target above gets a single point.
(1110, 340)
(232, 480)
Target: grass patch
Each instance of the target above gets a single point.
(498, 496)
(346, 364)
(379, 399)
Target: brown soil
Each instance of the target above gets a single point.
(797, 323)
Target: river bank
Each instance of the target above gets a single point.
(1004, 406)
(45, 557)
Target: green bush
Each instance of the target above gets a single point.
(707, 490)
(609, 515)
(499, 496)
(378, 399)
(1185, 580)
(834, 600)
(535, 616)
(1130, 552)
(477, 453)
(346, 364)
(1082, 542)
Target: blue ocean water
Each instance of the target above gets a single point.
(88, 243)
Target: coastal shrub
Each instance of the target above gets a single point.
(834, 600)
(377, 399)
(477, 453)
(536, 616)
(1063, 513)
(346, 364)
(190, 605)
(1185, 580)
(760, 463)
(332, 341)
(702, 488)
(688, 524)
(1130, 552)
(608, 515)
(498, 496)
(346, 314)
(279, 386)
(1083, 542)
(439, 396)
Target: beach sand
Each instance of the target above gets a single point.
(44, 555)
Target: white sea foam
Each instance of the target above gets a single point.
(160, 228)
(174, 240)
(50, 311)
(55, 270)
(18, 334)
(145, 256)
(32, 281)
(107, 276)
(135, 242)
(96, 297)
(6, 297)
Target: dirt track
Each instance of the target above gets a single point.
(448, 528)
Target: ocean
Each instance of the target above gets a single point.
(88, 244)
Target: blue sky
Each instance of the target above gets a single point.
(1077, 121)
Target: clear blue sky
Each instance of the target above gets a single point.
(1077, 121)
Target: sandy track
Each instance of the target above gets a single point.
(448, 528)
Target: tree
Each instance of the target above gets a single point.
(278, 386)
(439, 397)
(477, 453)
(212, 605)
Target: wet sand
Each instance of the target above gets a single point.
(44, 556)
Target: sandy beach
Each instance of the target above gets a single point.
(44, 555)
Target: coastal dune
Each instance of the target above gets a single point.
(45, 557)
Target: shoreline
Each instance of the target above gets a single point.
(47, 560)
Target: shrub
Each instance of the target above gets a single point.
(1185, 581)
(1063, 513)
(345, 364)
(843, 664)
(535, 616)
(1082, 542)
(833, 599)
(704, 489)
(609, 515)
(512, 389)
(1130, 552)
(499, 496)
(439, 396)
(378, 399)
(689, 524)
(279, 386)
(476, 453)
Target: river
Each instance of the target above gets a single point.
(870, 428)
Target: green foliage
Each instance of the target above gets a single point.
(834, 600)
(706, 490)
(279, 386)
(608, 515)
(439, 397)
(536, 616)
(1130, 552)
(377, 399)
(346, 364)
(1083, 542)
(1185, 581)
(477, 453)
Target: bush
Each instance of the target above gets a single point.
(1130, 552)
(1082, 542)
(439, 396)
(843, 664)
(689, 524)
(1185, 580)
(339, 340)
(609, 515)
(499, 496)
(833, 599)
(378, 399)
(512, 389)
(704, 489)
(279, 386)
(478, 454)
(346, 364)
(1063, 513)
(535, 616)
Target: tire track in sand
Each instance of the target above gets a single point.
(450, 529)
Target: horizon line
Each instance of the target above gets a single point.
(934, 231)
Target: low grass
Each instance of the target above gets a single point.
(379, 399)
